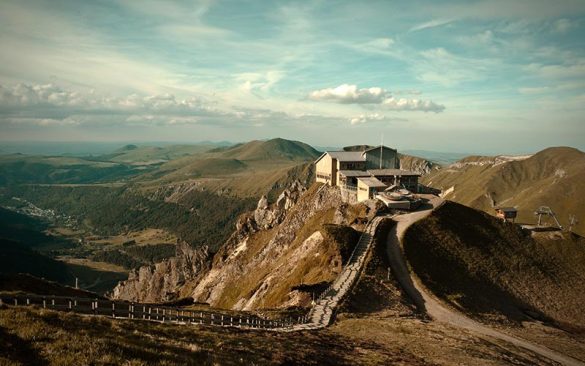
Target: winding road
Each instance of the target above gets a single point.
(426, 302)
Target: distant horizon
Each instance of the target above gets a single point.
(109, 145)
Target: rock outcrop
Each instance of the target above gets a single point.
(267, 249)
(164, 280)
(266, 217)
(275, 250)
(418, 165)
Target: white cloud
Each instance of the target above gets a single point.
(563, 25)
(574, 70)
(440, 66)
(259, 81)
(380, 43)
(50, 105)
(403, 104)
(363, 118)
(480, 39)
(350, 94)
(431, 24)
(533, 90)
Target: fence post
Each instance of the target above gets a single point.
(239, 326)
(69, 304)
(44, 303)
(212, 319)
(27, 301)
(75, 303)
(164, 313)
(1, 302)
(222, 320)
(15, 301)
(131, 311)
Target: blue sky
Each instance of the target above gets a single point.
(470, 76)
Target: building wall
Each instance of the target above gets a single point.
(363, 192)
(325, 170)
(348, 165)
(389, 156)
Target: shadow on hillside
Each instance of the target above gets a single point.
(475, 263)
(17, 349)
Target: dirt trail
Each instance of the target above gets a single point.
(426, 302)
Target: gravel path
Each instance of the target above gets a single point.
(428, 303)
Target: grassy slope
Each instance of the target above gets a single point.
(493, 269)
(251, 169)
(18, 169)
(552, 177)
(152, 154)
(373, 336)
(34, 337)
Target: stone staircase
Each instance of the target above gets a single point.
(321, 313)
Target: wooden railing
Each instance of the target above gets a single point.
(149, 312)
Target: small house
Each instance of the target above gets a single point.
(368, 187)
(507, 213)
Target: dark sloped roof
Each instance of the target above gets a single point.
(354, 173)
(507, 209)
(344, 156)
(378, 148)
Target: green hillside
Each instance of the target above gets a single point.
(133, 154)
(19, 169)
(553, 177)
(275, 149)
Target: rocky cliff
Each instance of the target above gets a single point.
(275, 248)
(419, 165)
(278, 254)
(165, 280)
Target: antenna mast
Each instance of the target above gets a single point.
(381, 150)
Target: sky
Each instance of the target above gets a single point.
(497, 76)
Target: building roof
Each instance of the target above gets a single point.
(506, 209)
(372, 182)
(377, 148)
(347, 155)
(351, 155)
(343, 156)
(354, 173)
(397, 172)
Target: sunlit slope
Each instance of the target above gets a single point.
(553, 177)
(250, 169)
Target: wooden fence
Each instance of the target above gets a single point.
(149, 312)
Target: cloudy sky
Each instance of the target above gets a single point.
(498, 76)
